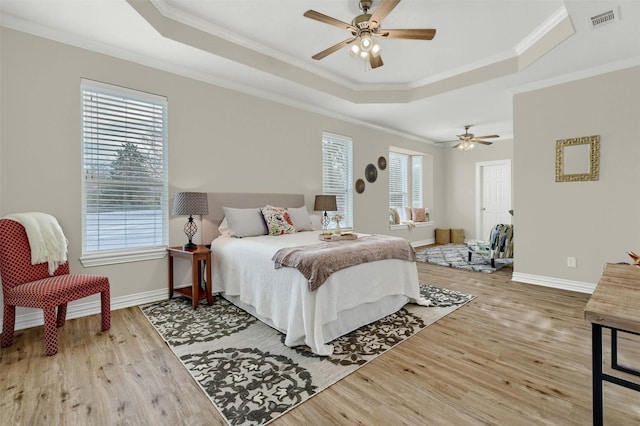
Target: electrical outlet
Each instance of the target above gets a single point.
(571, 262)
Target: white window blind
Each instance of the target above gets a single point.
(337, 174)
(398, 182)
(125, 169)
(416, 181)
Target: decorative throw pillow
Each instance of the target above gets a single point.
(245, 222)
(417, 214)
(394, 216)
(300, 218)
(278, 220)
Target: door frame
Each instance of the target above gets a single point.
(479, 186)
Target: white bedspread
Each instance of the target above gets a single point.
(244, 272)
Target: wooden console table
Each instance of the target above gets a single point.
(614, 305)
(198, 255)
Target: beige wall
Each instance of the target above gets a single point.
(219, 141)
(460, 183)
(596, 221)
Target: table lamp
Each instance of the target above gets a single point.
(325, 203)
(190, 203)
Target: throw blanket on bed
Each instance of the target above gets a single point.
(46, 239)
(316, 262)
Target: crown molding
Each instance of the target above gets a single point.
(579, 75)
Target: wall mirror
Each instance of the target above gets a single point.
(578, 159)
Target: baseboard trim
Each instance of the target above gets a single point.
(423, 242)
(83, 309)
(578, 286)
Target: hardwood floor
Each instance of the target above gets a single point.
(516, 355)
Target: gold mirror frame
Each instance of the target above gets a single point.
(592, 163)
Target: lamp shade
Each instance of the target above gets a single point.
(190, 203)
(325, 203)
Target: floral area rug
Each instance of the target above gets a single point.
(252, 377)
(457, 256)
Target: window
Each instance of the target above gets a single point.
(416, 181)
(337, 174)
(398, 183)
(405, 183)
(125, 174)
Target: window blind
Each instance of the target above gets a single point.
(337, 174)
(416, 181)
(125, 169)
(398, 182)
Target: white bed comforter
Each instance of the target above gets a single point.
(244, 272)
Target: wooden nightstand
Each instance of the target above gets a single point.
(196, 256)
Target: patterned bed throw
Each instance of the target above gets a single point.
(317, 261)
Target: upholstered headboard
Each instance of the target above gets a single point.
(217, 200)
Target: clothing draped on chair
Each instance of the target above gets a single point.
(501, 241)
(32, 285)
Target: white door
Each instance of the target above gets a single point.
(493, 196)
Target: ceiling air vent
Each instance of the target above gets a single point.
(603, 18)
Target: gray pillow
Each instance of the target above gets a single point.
(300, 218)
(245, 222)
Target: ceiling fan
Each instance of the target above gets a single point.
(468, 140)
(364, 28)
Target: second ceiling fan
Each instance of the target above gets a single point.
(468, 140)
(364, 29)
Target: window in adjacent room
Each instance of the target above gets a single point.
(405, 182)
(398, 180)
(124, 174)
(337, 175)
(416, 181)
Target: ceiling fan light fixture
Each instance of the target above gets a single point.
(364, 47)
(354, 50)
(466, 146)
(365, 41)
(375, 49)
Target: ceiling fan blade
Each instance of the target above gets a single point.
(413, 34)
(381, 12)
(457, 145)
(487, 137)
(375, 61)
(334, 48)
(480, 141)
(312, 14)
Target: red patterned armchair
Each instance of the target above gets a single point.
(24, 284)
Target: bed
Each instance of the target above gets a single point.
(244, 273)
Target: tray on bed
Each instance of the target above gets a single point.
(338, 237)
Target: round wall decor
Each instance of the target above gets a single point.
(359, 186)
(382, 163)
(371, 173)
